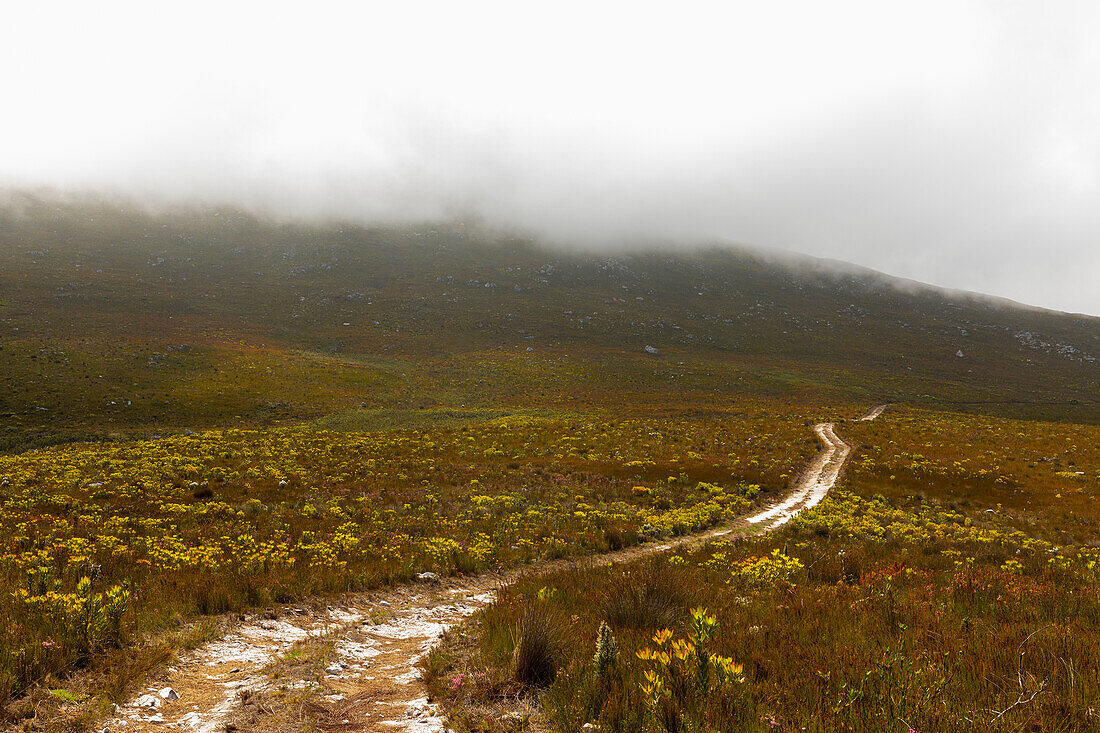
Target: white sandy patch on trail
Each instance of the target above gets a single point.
(372, 682)
(873, 413)
(816, 481)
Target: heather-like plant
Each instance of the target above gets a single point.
(607, 650)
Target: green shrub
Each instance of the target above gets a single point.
(607, 650)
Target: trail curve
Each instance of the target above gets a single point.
(814, 484)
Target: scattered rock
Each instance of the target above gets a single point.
(960, 354)
(384, 603)
(169, 694)
(148, 701)
(651, 350)
(158, 718)
(428, 577)
(333, 669)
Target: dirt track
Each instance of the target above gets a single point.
(873, 412)
(372, 684)
(816, 481)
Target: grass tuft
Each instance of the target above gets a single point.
(652, 596)
(537, 641)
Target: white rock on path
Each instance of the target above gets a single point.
(169, 694)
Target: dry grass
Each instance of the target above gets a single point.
(882, 609)
(536, 646)
(650, 595)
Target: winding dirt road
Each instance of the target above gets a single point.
(371, 681)
(816, 481)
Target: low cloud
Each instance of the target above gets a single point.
(954, 143)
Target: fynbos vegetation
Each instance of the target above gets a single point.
(208, 414)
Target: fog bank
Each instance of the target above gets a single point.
(952, 143)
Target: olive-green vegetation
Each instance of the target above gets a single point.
(204, 411)
(117, 321)
(108, 540)
(952, 582)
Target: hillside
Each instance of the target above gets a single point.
(294, 414)
(117, 321)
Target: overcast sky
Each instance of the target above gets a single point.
(956, 143)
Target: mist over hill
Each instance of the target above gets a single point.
(113, 318)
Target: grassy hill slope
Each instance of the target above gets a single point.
(113, 320)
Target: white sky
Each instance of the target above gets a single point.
(952, 142)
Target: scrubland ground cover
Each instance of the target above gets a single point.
(107, 540)
(944, 587)
(117, 321)
(372, 402)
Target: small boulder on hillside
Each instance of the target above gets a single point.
(651, 350)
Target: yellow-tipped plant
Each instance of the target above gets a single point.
(683, 672)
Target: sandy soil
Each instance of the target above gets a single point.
(873, 413)
(371, 681)
(816, 481)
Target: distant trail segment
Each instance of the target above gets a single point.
(378, 637)
(873, 413)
